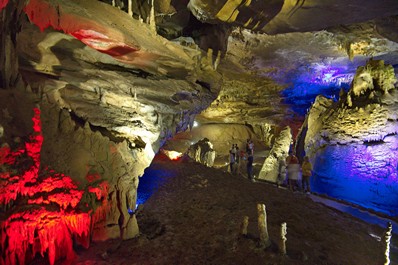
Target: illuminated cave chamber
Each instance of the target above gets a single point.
(353, 142)
(106, 99)
(90, 95)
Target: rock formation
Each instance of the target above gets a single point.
(91, 92)
(202, 152)
(273, 163)
(103, 109)
(353, 142)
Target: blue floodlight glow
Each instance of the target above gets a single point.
(366, 174)
(363, 174)
(318, 80)
(151, 180)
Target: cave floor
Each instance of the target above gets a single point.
(195, 215)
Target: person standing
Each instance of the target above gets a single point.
(249, 146)
(306, 169)
(250, 158)
(281, 172)
(293, 170)
(249, 167)
(242, 161)
(237, 160)
(232, 157)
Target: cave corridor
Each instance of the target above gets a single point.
(117, 119)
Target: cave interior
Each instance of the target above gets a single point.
(117, 119)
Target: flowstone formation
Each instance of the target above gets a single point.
(44, 211)
(89, 195)
(106, 98)
(353, 143)
(275, 160)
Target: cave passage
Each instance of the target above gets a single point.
(154, 176)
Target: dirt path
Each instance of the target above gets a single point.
(194, 218)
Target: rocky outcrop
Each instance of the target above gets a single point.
(272, 165)
(353, 142)
(106, 99)
(10, 26)
(367, 113)
(202, 152)
(277, 16)
(63, 183)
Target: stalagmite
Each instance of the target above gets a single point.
(388, 240)
(262, 226)
(282, 246)
(113, 3)
(243, 226)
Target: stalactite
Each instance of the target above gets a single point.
(217, 61)
(210, 56)
(37, 224)
(130, 7)
(152, 21)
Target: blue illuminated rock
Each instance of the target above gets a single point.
(353, 143)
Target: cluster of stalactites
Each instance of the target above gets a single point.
(371, 81)
(45, 212)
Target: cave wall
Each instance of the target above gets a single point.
(96, 103)
(79, 150)
(365, 174)
(353, 142)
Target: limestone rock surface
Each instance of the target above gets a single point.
(202, 152)
(272, 169)
(353, 142)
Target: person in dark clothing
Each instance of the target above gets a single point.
(232, 157)
(250, 158)
(250, 167)
(249, 147)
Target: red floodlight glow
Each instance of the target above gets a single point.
(45, 209)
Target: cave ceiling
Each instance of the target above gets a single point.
(276, 56)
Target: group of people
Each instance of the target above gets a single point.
(236, 158)
(292, 169)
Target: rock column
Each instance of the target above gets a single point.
(262, 226)
(388, 240)
(282, 247)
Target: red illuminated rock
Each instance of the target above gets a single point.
(45, 215)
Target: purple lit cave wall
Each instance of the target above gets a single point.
(353, 141)
(319, 79)
(362, 174)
